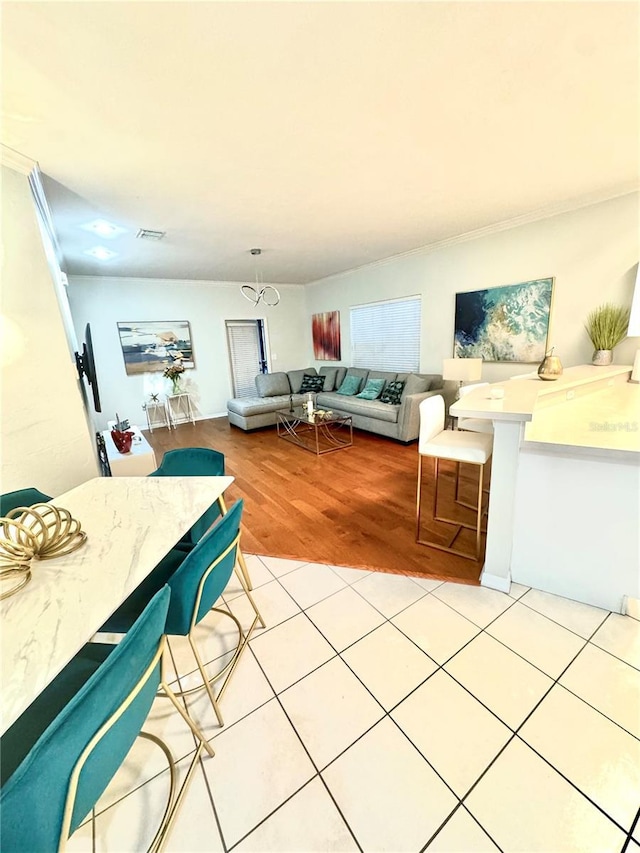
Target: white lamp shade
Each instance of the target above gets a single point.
(462, 369)
(634, 319)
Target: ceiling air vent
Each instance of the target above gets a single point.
(146, 234)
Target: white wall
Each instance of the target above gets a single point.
(46, 440)
(104, 302)
(591, 252)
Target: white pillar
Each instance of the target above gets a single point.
(496, 572)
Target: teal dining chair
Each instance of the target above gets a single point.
(199, 462)
(197, 580)
(21, 497)
(59, 756)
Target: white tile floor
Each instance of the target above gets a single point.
(377, 713)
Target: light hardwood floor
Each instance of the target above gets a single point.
(353, 507)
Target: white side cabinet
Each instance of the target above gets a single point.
(140, 460)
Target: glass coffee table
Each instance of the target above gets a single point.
(319, 432)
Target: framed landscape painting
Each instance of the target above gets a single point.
(508, 323)
(152, 345)
(325, 329)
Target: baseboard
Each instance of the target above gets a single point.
(631, 607)
(211, 417)
(495, 581)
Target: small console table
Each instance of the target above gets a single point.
(157, 414)
(180, 409)
(174, 409)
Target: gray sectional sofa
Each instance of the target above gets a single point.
(402, 421)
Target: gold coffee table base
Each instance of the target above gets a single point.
(317, 435)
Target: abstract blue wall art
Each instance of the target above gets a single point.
(508, 323)
(150, 345)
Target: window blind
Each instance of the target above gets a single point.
(244, 354)
(386, 335)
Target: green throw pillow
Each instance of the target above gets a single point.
(392, 393)
(350, 385)
(371, 390)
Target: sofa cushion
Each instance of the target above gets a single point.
(312, 383)
(350, 386)
(361, 372)
(272, 384)
(341, 373)
(296, 377)
(382, 374)
(392, 393)
(251, 406)
(435, 379)
(415, 385)
(372, 389)
(373, 409)
(330, 374)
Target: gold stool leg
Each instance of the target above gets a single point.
(205, 680)
(168, 692)
(228, 670)
(418, 498)
(244, 570)
(241, 560)
(479, 516)
(460, 525)
(243, 584)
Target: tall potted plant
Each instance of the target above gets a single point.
(607, 327)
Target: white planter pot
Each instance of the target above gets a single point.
(602, 357)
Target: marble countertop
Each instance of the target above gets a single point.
(131, 523)
(594, 409)
(524, 396)
(608, 421)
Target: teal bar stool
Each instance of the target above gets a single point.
(199, 462)
(197, 580)
(60, 755)
(21, 497)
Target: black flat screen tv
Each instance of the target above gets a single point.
(87, 367)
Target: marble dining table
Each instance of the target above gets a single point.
(131, 524)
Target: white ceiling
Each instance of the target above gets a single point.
(331, 134)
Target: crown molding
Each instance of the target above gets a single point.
(174, 282)
(17, 161)
(538, 215)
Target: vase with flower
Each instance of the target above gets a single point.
(173, 372)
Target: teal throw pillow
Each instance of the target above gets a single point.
(311, 383)
(350, 386)
(392, 393)
(371, 390)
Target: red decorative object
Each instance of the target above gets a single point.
(122, 440)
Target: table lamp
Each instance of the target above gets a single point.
(634, 326)
(462, 370)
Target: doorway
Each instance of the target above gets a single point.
(247, 345)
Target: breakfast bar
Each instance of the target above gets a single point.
(564, 509)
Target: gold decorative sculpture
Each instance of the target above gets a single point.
(42, 531)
